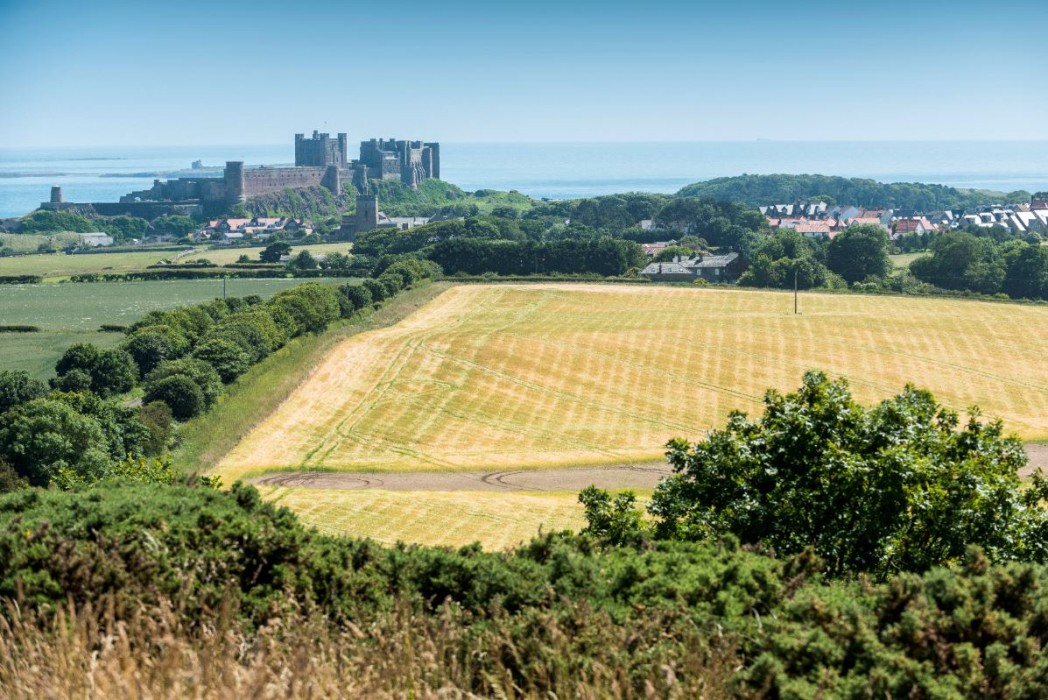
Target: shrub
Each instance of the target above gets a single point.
(310, 305)
(201, 373)
(393, 283)
(377, 290)
(180, 393)
(228, 358)
(42, 436)
(897, 487)
(158, 420)
(357, 295)
(17, 387)
(151, 345)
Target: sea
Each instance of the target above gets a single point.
(549, 170)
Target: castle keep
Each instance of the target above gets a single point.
(320, 161)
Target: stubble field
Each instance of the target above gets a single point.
(531, 376)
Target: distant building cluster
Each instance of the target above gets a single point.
(320, 161)
(259, 228)
(368, 217)
(817, 219)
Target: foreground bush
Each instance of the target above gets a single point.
(221, 588)
(897, 487)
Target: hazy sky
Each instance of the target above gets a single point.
(101, 72)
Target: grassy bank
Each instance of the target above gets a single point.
(261, 390)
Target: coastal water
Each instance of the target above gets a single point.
(552, 170)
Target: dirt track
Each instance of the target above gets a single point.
(574, 479)
(1038, 454)
(644, 476)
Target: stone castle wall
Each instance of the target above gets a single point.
(258, 181)
(321, 161)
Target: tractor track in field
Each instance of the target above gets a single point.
(635, 476)
(622, 476)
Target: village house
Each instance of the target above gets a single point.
(259, 228)
(712, 268)
(96, 240)
(917, 224)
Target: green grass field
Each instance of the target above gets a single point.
(30, 242)
(225, 256)
(903, 260)
(72, 313)
(61, 265)
(528, 376)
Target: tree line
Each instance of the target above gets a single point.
(80, 429)
(983, 263)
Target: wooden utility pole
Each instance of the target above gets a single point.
(795, 312)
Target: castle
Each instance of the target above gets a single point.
(320, 161)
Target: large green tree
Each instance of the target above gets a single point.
(45, 435)
(901, 486)
(17, 387)
(962, 260)
(860, 252)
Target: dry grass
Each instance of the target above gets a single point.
(440, 518)
(90, 655)
(258, 393)
(493, 377)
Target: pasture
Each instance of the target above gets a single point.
(58, 265)
(31, 242)
(531, 376)
(225, 256)
(72, 313)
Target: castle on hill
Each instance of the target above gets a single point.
(320, 161)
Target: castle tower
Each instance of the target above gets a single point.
(366, 218)
(332, 180)
(56, 195)
(343, 150)
(234, 180)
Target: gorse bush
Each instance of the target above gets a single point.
(671, 617)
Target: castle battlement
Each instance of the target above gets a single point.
(320, 161)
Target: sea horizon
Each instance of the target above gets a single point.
(550, 169)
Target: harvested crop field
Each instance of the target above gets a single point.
(438, 518)
(503, 377)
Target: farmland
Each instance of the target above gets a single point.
(72, 313)
(529, 376)
(58, 265)
(438, 518)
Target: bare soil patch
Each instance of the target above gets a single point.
(641, 476)
(1037, 452)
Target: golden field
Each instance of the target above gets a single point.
(529, 376)
(436, 518)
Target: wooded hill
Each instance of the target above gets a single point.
(757, 190)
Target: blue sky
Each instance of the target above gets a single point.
(192, 72)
